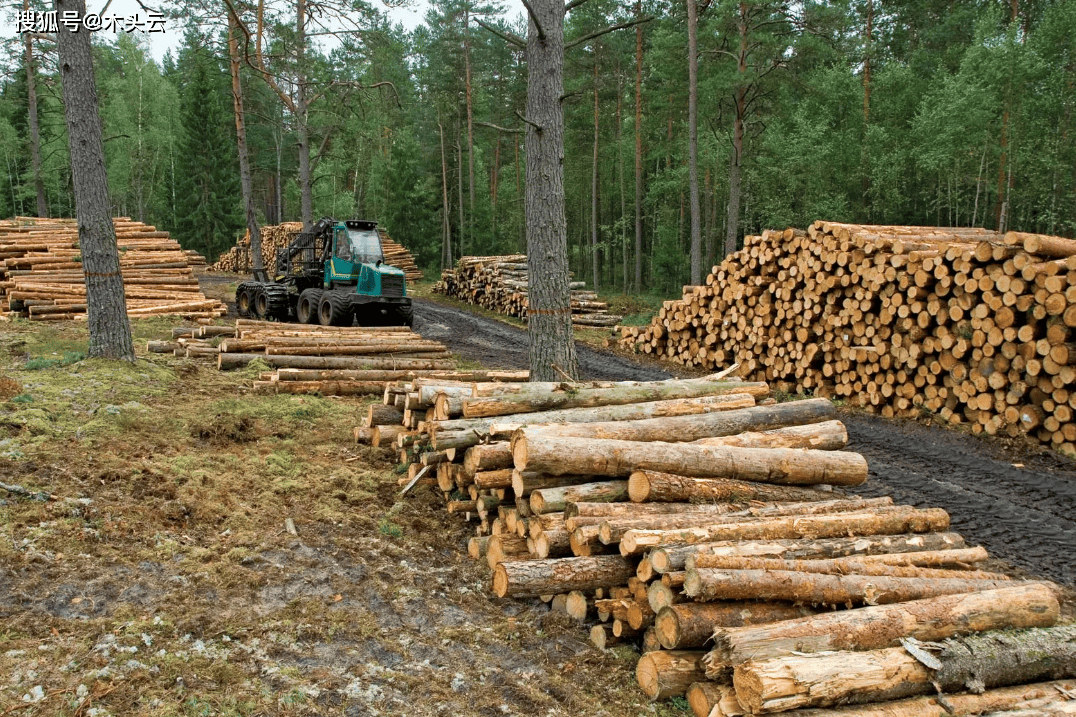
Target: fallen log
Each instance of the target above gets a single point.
(487, 457)
(820, 589)
(548, 500)
(324, 388)
(1002, 698)
(872, 628)
(838, 566)
(544, 400)
(814, 526)
(703, 425)
(620, 458)
(824, 436)
(703, 697)
(657, 487)
(227, 361)
(877, 547)
(975, 662)
(534, 578)
(612, 529)
(689, 625)
(668, 673)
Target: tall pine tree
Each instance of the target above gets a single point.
(207, 179)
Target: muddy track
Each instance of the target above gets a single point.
(1025, 516)
(500, 346)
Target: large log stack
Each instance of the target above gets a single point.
(41, 275)
(713, 531)
(500, 284)
(275, 238)
(973, 326)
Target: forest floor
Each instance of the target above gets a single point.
(162, 579)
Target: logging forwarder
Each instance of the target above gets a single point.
(333, 275)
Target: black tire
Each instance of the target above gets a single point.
(334, 310)
(244, 301)
(306, 311)
(405, 315)
(261, 304)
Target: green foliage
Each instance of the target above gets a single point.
(41, 362)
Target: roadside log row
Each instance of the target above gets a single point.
(42, 279)
(277, 237)
(972, 326)
(755, 556)
(500, 284)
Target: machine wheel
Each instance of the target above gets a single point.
(244, 301)
(306, 311)
(334, 310)
(261, 303)
(405, 315)
(276, 301)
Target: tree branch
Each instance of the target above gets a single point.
(500, 129)
(534, 19)
(573, 5)
(605, 31)
(510, 38)
(537, 127)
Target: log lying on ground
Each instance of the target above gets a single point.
(975, 662)
(1002, 698)
(228, 361)
(625, 412)
(620, 458)
(815, 526)
(542, 577)
(688, 625)
(668, 673)
(824, 436)
(665, 560)
(872, 628)
(704, 425)
(703, 697)
(895, 566)
(589, 398)
(611, 529)
(821, 589)
(487, 457)
(548, 500)
(654, 486)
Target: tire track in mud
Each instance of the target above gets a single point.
(1026, 517)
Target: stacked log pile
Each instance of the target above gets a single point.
(42, 278)
(327, 360)
(714, 531)
(275, 238)
(500, 283)
(973, 326)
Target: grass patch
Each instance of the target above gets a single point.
(41, 362)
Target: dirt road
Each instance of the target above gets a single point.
(1021, 507)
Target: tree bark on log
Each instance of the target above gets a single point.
(872, 628)
(824, 436)
(526, 482)
(533, 578)
(703, 696)
(620, 458)
(813, 526)
(877, 547)
(668, 673)
(678, 429)
(544, 400)
(1003, 698)
(548, 500)
(820, 589)
(487, 457)
(656, 487)
(612, 529)
(690, 625)
(975, 662)
(227, 361)
(836, 566)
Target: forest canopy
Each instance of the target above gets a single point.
(869, 111)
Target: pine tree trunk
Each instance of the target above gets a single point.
(595, 268)
(302, 118)
(638, 148)
(110, 331)
(732, 230)
(446, 237)
(34, 125)
(693, 141)
(470, 121)
(257, 263)
(552, 342)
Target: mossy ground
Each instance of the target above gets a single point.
(163, 581)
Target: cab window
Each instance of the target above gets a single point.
(343, 246)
